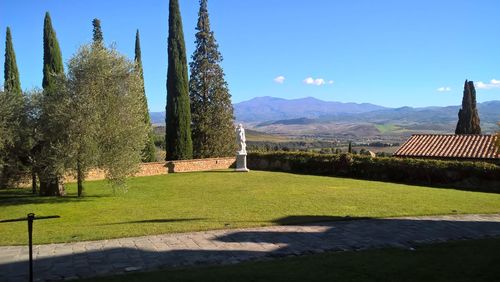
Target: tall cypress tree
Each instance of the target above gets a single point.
(12, 84)
(211, 107)
(178, 141)
(149, 151)
(52, 58)
(12, 153)
(468, 117)
(97, 36)
(52, 67)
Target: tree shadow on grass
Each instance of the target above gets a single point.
(162, 220)
(14, 197)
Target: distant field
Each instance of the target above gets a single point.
(387, 128)
(257, 136)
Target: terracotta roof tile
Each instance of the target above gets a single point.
(450, 146)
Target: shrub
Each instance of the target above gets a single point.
(476, 176)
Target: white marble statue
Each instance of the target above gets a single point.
(240, 138)
(241, 155)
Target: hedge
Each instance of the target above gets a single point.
(466, 175)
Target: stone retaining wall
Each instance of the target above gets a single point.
(200, 164)
(145, 169)
(159, 168)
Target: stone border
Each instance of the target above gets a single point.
(156, 168)
(200, 164)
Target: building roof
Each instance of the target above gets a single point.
(450, 147)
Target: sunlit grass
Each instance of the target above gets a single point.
(216, 200)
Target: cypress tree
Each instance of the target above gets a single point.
(149, 151)
(349, 149)
(12, 83)
(97, 32)
(211, 107)
(52, 58)
(12, 153)
(178, 141)
(52, 67)
(468, 117)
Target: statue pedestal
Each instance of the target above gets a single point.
(241, 162)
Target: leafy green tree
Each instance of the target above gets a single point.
(12, 83)
(97, 32)
(12, 149)
(149, 151)
(468, 117)
(8, 136)
(52, 58)
(211, 107)
(53, 72)
(107, 120)
(178, 141)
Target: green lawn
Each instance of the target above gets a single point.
(456, 261)
(215, 200)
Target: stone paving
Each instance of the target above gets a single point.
(107, 257)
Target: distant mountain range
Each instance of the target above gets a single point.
(270, 108)
(310, 116)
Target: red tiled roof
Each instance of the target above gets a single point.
(450, 146)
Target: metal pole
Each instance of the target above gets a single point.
(31, 217)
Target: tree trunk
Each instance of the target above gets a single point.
(79, 176)
(33, 181)
(52, 187)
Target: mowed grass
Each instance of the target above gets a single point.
(454, 261)
(217, 200)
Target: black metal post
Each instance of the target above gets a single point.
(31, 217)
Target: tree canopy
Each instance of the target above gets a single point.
(468, 117)
(211, 107)
(178, 140)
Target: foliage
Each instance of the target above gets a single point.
(53, 72)
(178, 118)
(211, 108)
(476, 176)
(12, 83)
(52, 58)
(468, 118)
(12, 138)
(107, 118)
(13, 154)
(97, 36)
(149, 150)
(50, 118)
(221, 200)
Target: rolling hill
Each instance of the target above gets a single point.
(310, 116)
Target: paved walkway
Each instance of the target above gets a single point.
(96, 258)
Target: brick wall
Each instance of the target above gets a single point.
(150, 169)
(145, 169)
(200, 165)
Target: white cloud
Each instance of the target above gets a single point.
(444, 89)
(280, 79)
(317, 81)
(494, 83)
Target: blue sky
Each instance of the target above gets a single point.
(388, 52)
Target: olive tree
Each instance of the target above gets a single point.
(107, 128)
